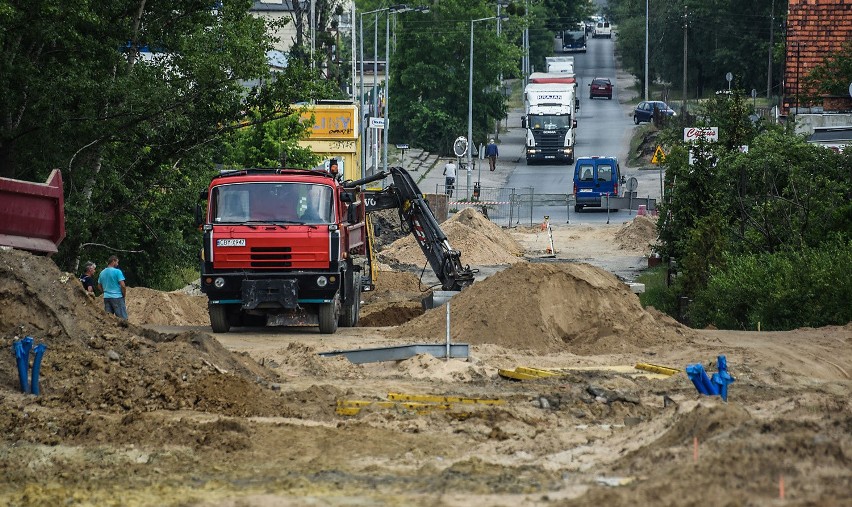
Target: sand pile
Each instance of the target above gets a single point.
(549, 307)
(639, 234)
(97, 361)
(149, 306)
(481, 242)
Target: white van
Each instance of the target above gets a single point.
(602, 29)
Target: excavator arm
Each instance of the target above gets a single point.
(404, 194)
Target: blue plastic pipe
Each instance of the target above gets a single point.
(27, 343)
(722, 378)
(39, 352)
(700, 379)
(21, 360)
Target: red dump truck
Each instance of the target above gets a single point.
(290, 247)
(32, 215)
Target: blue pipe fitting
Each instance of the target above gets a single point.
(722, 378)
(39, 352)
(700, 379)
(21, 360)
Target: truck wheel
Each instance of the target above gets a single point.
(578, 208)
(219, 318)
(329, 313)
(349, 314)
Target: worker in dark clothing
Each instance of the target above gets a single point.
(491, 153)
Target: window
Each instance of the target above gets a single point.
(586, 173)
(604, 172)
(272, 202)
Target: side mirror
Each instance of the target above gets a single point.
(199, 217)
(623, 180)
(523, 122)
(347, 198)
(574, 124)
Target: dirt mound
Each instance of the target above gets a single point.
(97, 361)
(577, 307)
(639, 234)
(481, 242)
(152, 307)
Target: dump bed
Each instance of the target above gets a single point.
(32, 215)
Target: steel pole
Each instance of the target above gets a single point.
(387, 90)
(361, 123)
(470, 103)
(646, 49)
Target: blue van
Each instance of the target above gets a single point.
(595, 178)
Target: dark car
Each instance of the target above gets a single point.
(645, 110)
(600, 87)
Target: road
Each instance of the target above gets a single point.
(604, 128)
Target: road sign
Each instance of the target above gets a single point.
(377, 122)
(460, 146)
(402, 146)
(710, 134)
(659, 156)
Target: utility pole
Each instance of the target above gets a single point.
(646, 48)
(685, 25)
(769, 69)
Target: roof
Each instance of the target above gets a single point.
(831, 134)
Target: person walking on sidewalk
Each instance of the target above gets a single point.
(450, 177)
(491, 153)
(111, 283)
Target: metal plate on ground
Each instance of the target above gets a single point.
(401, 352)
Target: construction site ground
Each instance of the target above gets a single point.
(159, 411)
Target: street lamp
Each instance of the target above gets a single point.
(470, 98)
(393, 9)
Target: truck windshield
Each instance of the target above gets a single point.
(575, 36)
(550, 121)
(274, 202)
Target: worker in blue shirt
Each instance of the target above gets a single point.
(111, 282)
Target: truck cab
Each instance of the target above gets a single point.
(549, 121)
(282, 247)
(596, 179)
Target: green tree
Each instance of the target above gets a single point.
(130, 100)
(722, 36)
(831, 77)
(430, 74)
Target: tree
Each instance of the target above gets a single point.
(130, 100)
(722, 36)
(831, 77)
(430, 74)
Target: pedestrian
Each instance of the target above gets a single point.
(491, 153)
(111, 283)
(88, 278)
(450, 176)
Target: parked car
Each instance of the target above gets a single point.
(600, 87)
(645, 111)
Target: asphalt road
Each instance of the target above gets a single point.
(604, 128)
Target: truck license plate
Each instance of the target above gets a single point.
(585, 190)
(231, 242)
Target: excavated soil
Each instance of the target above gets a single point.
(158, 411)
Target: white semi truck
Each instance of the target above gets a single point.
(549, 109)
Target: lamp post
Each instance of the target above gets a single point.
(470, 99)
(393, 9)
(646, 50)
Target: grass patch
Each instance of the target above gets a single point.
(635, 157)
(657, 293)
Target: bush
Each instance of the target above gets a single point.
(657, 293)
(781, 291)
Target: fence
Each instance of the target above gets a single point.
(506, 206)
